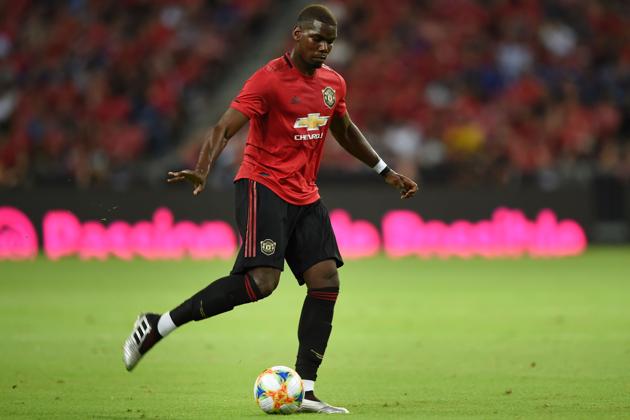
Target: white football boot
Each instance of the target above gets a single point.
(142, 338)
(310, 406)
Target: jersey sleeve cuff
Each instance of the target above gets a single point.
(242, 109)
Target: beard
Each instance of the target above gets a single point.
(316, 63)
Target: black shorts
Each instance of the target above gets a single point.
(273, 230)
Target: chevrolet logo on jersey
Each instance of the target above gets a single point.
(312, 122)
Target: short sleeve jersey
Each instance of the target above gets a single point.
(289, 114)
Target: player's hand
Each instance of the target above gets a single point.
(197, 179)
(405, 185)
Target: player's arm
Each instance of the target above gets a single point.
(214, 142)
(350, 138)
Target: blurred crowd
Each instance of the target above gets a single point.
(491, 91)
(461, 92)
(90, 88)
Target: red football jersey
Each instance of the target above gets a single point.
(289, 114)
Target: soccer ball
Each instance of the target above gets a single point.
(279, 390)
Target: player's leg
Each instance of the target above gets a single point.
(315, 326)
(255, 274)
(222, 296)
(314, 257)
(322, 282)
(218, 297)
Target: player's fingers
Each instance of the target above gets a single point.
(175, 179)
(176, 174)
(409, 194)
(410, 189)
(198, 189)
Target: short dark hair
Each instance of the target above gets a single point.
(317, 12)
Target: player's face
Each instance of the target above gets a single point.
(314, 41)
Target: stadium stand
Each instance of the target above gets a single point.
(499, 92)
(89, 87)
(460, 92)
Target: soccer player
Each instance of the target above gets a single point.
(290, 103)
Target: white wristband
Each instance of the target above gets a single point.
(380, 165)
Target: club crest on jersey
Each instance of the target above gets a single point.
(267, 247)
(329, 96)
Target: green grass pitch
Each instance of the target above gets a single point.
(412, 339)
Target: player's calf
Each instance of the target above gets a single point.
(218, 297)
(314, 330)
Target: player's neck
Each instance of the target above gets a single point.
(301, 65)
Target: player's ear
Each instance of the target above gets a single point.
(297, 33)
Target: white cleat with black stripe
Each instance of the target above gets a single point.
(310, 406)
(141, 340)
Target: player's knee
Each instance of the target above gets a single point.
(331, 278)
(266, 284)
(266, 279)
(326, 278)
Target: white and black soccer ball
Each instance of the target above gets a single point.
(279, 390)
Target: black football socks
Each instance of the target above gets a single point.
(219, 296)
(314, 330)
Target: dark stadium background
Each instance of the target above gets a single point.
(521, 103)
